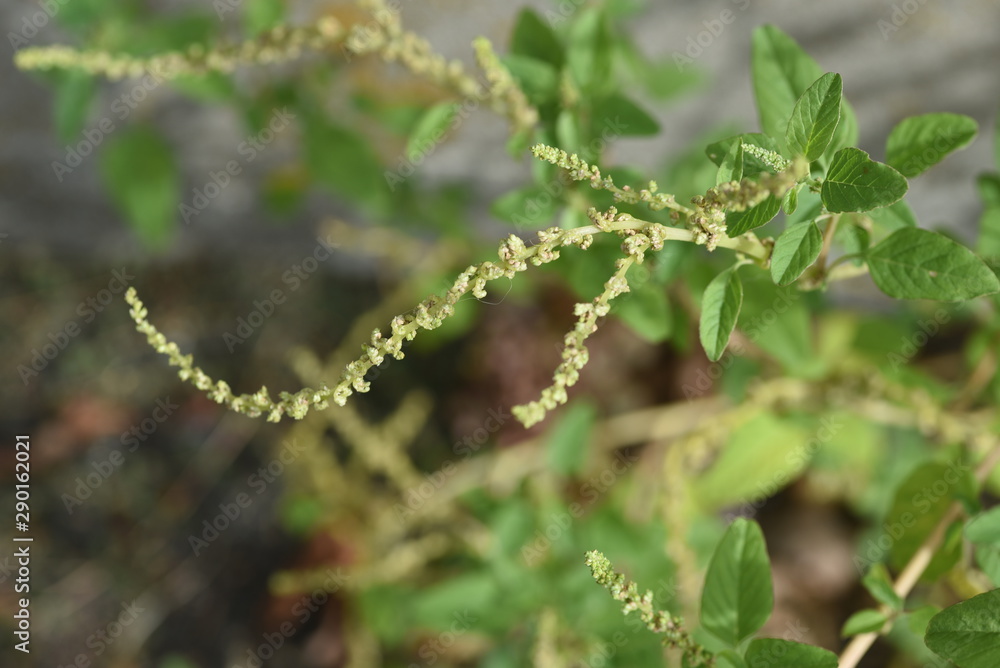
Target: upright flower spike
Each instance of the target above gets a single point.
(658, 621)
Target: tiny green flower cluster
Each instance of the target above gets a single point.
(514, 257)
(253, 405)
(386, 37)
(657, 621)
(574, 353)
(579, 170)
(707, 220)
(277, 45)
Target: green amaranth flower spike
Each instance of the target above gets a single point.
(657, 621)
(276, 45)
(706, 223)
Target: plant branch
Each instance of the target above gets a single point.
(918, 563)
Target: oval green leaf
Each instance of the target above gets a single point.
(741, 222)
(782, 72)
(720, 308)
(138, 169)
(855, 182)
(731, 168)
(738, 594)
(918, 505)
(815, 117)
(968, 633)
(864, 621)
(778, 653)
(912, 263)
(534, 38)
(984, 528)
(920, 142)
(796, 249)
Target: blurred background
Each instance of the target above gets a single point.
(420, 525)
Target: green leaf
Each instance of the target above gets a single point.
(430, 130)
(863, 621)
(720, 308)
(761, 457)
(920, 142)
(984, 528)
(921, 500)
(790, 202)
(343, 160)
(988, 242)
(778, 653)
(138, 169)
(893, 217)
(619, 112)
(534, 38)
(729, 658)
(538, 79)
(968, 633)
(917, 620)
(741, 222)
(731, 168)
(738, 596)
(988, 559)
(879, 585)
(912, 263)
(855, 182)
(646, 310)
(796, 249)
(988, 186)
(853, 237)
(568, 131)
(566, 447)
(782, 72)
(590, 50)
(815, 117)
(74, 94)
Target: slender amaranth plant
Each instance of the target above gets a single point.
(802, 163)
